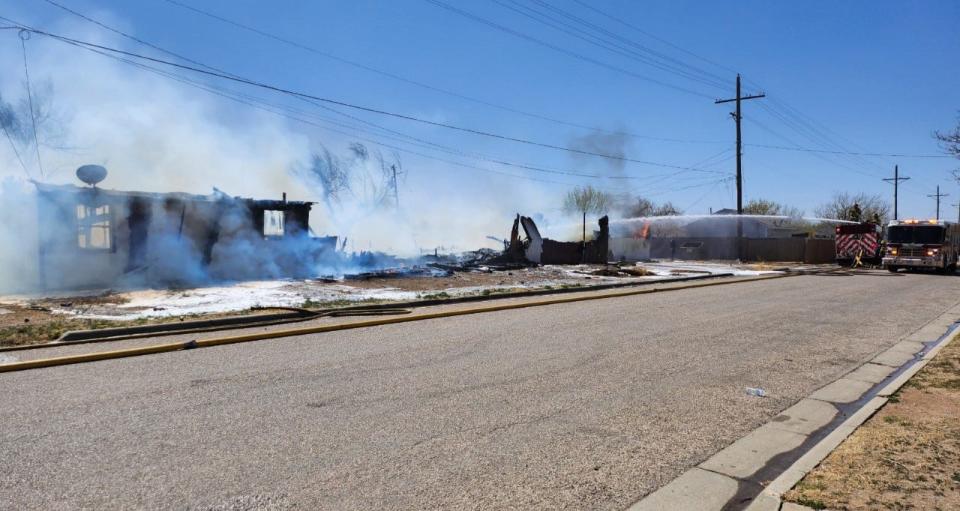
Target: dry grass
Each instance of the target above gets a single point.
(907, 456)
(21, 326)
(45, 331)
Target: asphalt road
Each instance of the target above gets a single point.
(584, 405)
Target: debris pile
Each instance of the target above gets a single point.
(539, 250)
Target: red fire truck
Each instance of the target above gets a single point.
(922, 244)
(858, 242)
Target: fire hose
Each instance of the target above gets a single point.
(405, 318)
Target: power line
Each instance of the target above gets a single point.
(806, 124)
(268, 108)
(852, 153)
(648, 34)
(614, 47)
(434, 88)
(24, 35)
(595, 27)
(250, 100)
(819, 156)
(819, 135)
(804, 132)
(704, 196)
(129, 36)
(664, 59)
(560, 49)
(294, 93)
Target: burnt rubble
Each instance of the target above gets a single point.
(535, 249)
(94, 237)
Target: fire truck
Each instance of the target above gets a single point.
(858, 242)
(930, 244)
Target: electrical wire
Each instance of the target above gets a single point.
(250, 102)
(616, 48)
(619, 19)
(434, 88)
(663, 59)
(379, 143)
(294, 93)
(560, 49)
(24, 35)
(852, 153)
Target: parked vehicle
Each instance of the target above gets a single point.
(858, 242)
(930, 244)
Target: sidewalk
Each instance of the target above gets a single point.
(907, 456)
(758, 470)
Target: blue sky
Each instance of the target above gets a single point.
(873, 76)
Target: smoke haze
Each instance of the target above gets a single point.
(157, 135)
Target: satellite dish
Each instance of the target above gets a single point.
(91, 174)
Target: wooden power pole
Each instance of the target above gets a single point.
(896, 184)
(938, 195)
(738, 117)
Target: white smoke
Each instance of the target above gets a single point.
(157, 135)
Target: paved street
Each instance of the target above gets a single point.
(584, 405)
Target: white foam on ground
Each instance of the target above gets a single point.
(158, 303)
(667, 267)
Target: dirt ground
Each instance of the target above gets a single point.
(577, 274)
(33, 325)
(43, 319)
(907, 456)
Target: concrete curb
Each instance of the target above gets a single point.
(123, 333)
(260, 336)
(731, 477)
(236, 322)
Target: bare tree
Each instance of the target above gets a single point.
(950, 142)
(17, 122)
(769, 207)
(646, 208)
(363, 176)
(332, 175)
(10, 121)
(857, 208)
(585, 200)
(667, 209)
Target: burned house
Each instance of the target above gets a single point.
(91, 237)
(535, 248)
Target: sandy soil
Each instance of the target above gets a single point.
(907, 456)
(37, 319)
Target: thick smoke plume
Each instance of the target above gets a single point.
(157, 135)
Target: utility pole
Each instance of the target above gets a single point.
(896, 182)
(938, 195)
(738, 117)
(396, 192)
(957, 205)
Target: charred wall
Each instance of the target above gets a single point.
(99, 238)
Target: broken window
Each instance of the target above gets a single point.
(94, 227)
(273, 222)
